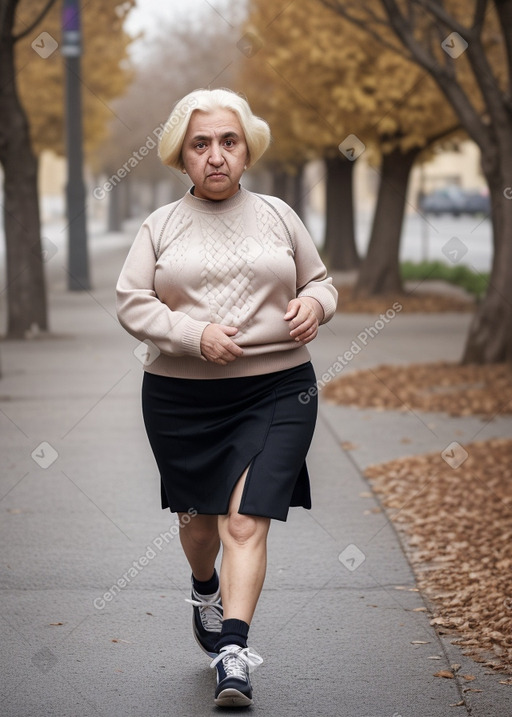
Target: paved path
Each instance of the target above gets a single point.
(79, 506)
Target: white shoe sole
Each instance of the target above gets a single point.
(232, 698)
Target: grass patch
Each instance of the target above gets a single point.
(473, 282)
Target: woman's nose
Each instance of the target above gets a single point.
(215, 155)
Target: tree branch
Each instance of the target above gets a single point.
(504, 10)
(5, 7)
(479, 16)
(36, 22)
(468, 115)
(438, 11)
(487, 83)
(340, 9)
(442, 135)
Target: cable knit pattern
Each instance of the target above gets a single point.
(237, 262)
(270, 229)
(226, 274)
(175, 240)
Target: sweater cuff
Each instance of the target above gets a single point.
(191, 337)
(324, 298)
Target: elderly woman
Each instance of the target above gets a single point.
(227, 288)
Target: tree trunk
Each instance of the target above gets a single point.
(280, 184)
(155, 186)
(27, 309)
(297, 191)
(489, 338)
(380, 270)
(125, 188)
(339, 242)
(114, 210)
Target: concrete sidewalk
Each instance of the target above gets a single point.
(341, 626)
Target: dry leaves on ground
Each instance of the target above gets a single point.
(412, 302)
(457, 527)
(445, 387)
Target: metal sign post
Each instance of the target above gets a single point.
(71, 49)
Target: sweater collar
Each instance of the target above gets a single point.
(207, 206)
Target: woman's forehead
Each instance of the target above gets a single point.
(214, 121)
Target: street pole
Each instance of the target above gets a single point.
(71, 49)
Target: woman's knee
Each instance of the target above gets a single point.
(242, 529)
(202, 530)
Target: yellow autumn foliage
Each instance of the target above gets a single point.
(105, 70)
(317, 78)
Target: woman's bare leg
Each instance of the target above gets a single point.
(200, 541)
(244, 558)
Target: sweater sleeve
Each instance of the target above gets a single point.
(141, 312)
(312, 279)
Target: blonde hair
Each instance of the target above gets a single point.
(256, 130)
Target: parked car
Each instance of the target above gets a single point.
(456, 201)
(477, 203)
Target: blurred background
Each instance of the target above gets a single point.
(354, 123)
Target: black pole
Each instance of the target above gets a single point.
(71, 49)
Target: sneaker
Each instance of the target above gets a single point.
(207, 620)
(233, 684)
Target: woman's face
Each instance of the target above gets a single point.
(214, 153)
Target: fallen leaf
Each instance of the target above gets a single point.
(457, 704)
(444, 673)
(420, 642)
(440, 386)
(447, 524)
(412, 302)
(55, 624)
(469, 678)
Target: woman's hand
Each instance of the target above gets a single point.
(217, 347)
(304, 316)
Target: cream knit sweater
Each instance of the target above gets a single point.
(236, 262)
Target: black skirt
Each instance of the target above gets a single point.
(205, 432)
